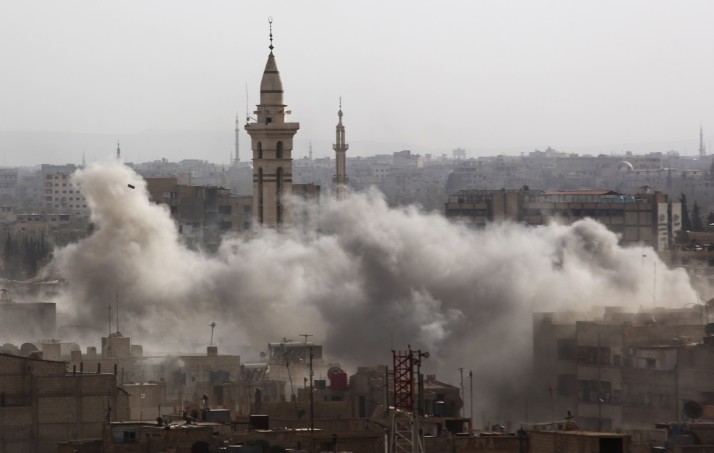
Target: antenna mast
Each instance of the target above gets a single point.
(247, 110)
(117, 302)
(213, 326)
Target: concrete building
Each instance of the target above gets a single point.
(621, 370)
(14, 318)
(41, 404)
(60, 194)
(578, 442)
(272, 144)
(202, 213)
(645, 218)
(8, 184)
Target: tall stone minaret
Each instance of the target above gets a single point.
(272, 144)
(702, 148)
(340, 148)
(118, 151)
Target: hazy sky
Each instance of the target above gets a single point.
(490, 76)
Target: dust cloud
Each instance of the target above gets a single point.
(361, 277)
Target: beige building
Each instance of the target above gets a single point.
(41, 404)
(60, 194)
(272, 144)
(644, 218)
(621, 370)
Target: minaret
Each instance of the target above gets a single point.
(272, 144)
(236, 159)
(702, 148)
(340, 148)
(118, 151)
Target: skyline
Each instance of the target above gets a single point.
(168, 78)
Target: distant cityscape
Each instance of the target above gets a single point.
(603, 378)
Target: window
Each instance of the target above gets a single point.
(592, 355)
(567, 384)
(567, 349)
(279, 151)
(124, 437)
(225, 209)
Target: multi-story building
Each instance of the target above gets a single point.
(8, 184)
(622, 370)
(644, 218)
(42, 404)
(61, 195)
(203, 213)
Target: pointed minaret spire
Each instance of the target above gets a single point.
(272, 145)
(702, 148)
(340, 148)
(310, 150)
(118, 151)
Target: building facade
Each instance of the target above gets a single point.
(644, 218)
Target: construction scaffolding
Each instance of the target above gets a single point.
(405, 435)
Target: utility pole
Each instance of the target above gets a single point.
(461, 372)
(213, 326)
(471, 399)
(312, 401)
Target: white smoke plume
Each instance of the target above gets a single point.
(362, 277)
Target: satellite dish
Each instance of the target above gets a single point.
(9, 348)
(692, 409)
(28, 348)
(709, 329)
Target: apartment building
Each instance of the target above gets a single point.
(643, 218)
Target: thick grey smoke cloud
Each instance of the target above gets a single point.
(360, 276)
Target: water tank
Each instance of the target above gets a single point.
(259, 422)
(338, 378)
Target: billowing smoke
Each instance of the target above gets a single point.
(360, 276)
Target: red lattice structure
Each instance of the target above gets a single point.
(403, 380)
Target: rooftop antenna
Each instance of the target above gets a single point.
(247, 110)
(305, 335)
(236, 159)
(213, 326)
(109, 306)
(310, 152)
(117, 303)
